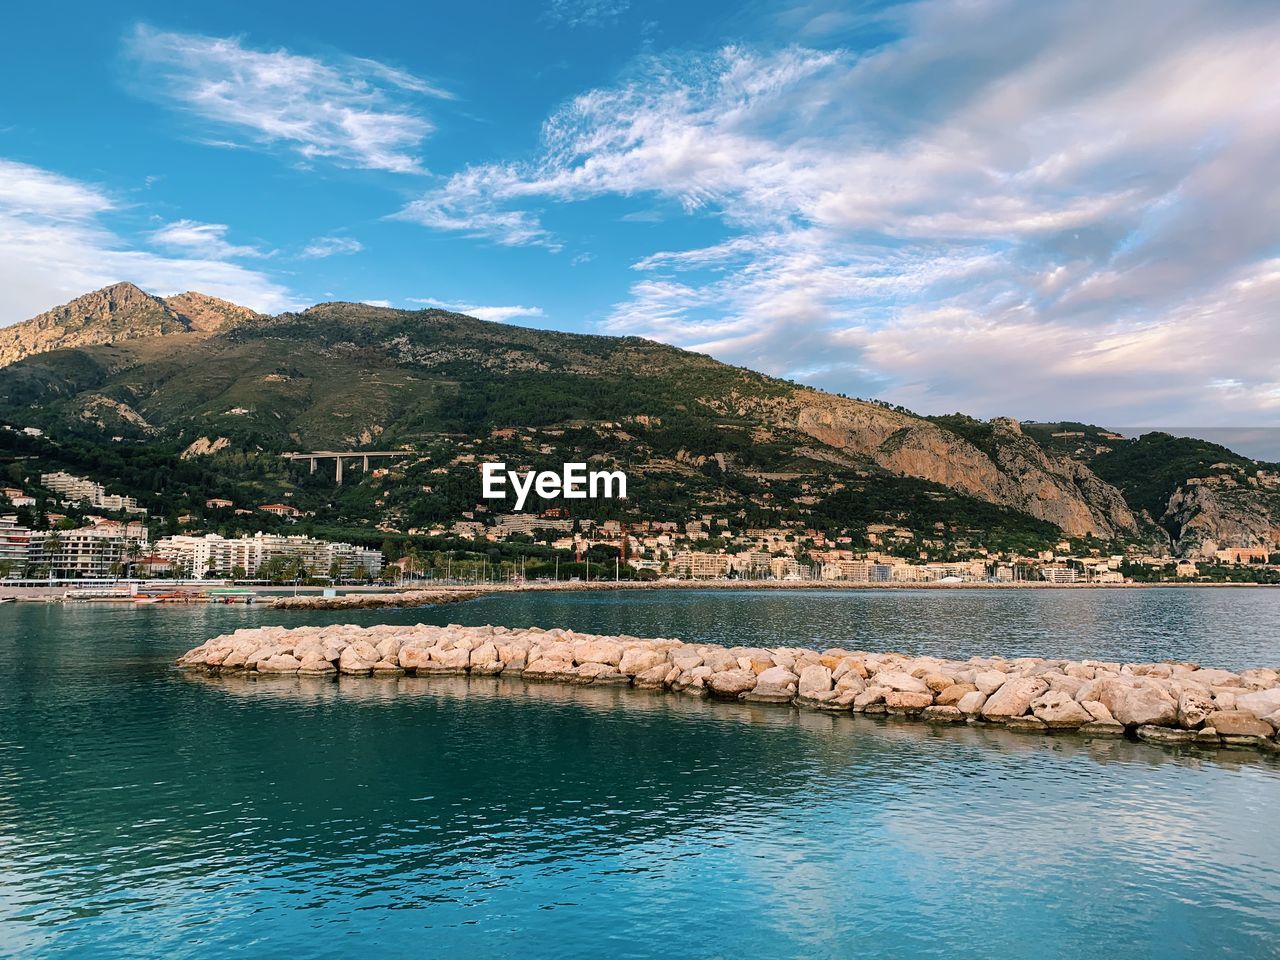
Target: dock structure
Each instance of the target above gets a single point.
(338, 456)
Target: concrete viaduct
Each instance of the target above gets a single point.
(338, 456)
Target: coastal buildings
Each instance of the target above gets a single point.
(73, 489)
(246, 556)
(95, 551)
(15, 546)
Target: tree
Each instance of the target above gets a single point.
(52, 546)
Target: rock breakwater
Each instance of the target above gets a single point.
(370, 601)
(1165, 703)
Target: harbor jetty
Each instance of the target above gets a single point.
(1170, 703)
(371, 601)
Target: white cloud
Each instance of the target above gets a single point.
(322, 247)
(493, 314)
(54, 246)
(30, 191)
(1006, 208)
(581, 13)
(355, 113)
(206, 240)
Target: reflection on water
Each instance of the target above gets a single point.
(144, 810)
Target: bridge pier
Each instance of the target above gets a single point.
(338, 472)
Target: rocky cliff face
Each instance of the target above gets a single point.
(1014, 470)
(1208, 513)
(118, 312)
(202, 313)
(115, 313)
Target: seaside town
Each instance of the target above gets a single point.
(68, 527)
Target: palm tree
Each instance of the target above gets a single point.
(52, 544)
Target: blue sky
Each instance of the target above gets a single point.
(1039, 210)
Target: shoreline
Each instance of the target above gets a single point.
(1169, 703)
(288, 597)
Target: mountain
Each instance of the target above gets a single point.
(191, 375)
(117, 313)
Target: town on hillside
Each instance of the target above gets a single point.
(58, 525)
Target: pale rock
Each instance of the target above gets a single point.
(656, 677)
(1168, 735)
(815, 679)
(279, 663)
(1194, 707)
(851, 681)
(1021, 724)
(1101, 728)
(937, 682)
(952, 695)
(1013, 698)
(544, 669)
(943, 714)
(732, 683)
(599, 651)
(902, 682)
(638, 659)
(1098, 710)
(871, 695)
(1238, 723)
(907, 701)
(971, 703)
(989, 681)
(1259, 703)
(1136, 706)
(776, 683)
(1059, 711)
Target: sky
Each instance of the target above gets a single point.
(1043, 210)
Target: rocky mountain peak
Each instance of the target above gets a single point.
(121, 311)
(205, 314)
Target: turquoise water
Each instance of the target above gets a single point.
(147, 812)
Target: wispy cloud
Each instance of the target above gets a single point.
(29, 191)
(201, 239)
(322, 247)
(54, 246)
(494, 314)
(352, 111)
(1006, 208)
(582, 13)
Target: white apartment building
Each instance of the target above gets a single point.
(15, 545)
(99, 550)
(75, 489)
(221, 556)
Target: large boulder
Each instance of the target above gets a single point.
(1139, 705)
(971, 703)
(1260, 703)
(638, 660)
(1058, 711)
(989, 681)
(545, 669)
(1239, 723)
(814, 679)
(732, 683)
(599, 651)
(279, 663)
(1194, 706)
(897, 680)
(776, 680)
(953, 694)
(1013, 698)
(358, 658)
(907, 701)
